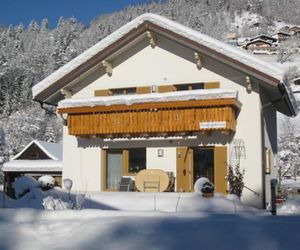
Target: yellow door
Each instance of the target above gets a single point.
(220, 169)
(184, 177)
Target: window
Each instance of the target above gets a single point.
(121, 162)
(123, 91)
(137, 160)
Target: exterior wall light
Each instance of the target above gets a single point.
(160, 152)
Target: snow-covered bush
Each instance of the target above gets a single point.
(46, 182)
(68, 183)
(203, 186)
(79, 201)
(24, 184)
(50, 203)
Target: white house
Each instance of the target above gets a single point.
(158, 95)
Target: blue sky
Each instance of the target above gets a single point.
(23, 11)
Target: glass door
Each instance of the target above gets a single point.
(113, 168)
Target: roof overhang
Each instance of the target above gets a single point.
(49, 90)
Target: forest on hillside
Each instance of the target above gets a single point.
(29, 54)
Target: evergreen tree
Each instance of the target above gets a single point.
(236, 180)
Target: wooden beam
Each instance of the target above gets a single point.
(198, 60)
(108, 67)
(152, 38)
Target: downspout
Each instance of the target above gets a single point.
(263, 158)
(48, 111)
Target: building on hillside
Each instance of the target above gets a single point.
(260, 46)
(158, 95)
(266, 38)
(36, 159)
(281, 36)
(294, 30)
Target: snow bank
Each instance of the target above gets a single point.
(128, 201)
(24, 184)
(27, 229)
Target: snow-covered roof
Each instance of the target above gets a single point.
(53, 150)
(220, 47)
(258, 40)
(32, 166)
(200, 94)
(235, 57)
(261, 37)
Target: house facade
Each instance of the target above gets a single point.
(158, 95)
(260, 46)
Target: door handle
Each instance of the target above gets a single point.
(184, 172)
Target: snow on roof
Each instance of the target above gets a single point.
(260, 37)
(200, 94)
(32, 166)
(258, 40)
(242, 56)
(53, 150)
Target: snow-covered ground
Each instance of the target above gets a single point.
(96, 229)
(293, 62)
(144, 221)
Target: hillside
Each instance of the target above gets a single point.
(28, 54)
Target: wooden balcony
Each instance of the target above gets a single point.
(156, 118)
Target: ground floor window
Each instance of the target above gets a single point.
(121, 162)
(137, 160)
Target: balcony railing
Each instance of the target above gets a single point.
(156, 118)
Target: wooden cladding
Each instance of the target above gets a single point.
(103, 92)
(157, 118)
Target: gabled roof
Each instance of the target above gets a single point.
(281, 32)
(258, 40)
(52, 150)
(48, 90)
(263, 37)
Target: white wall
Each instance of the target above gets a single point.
(167, 162)
(81, 163)
(170, 63)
